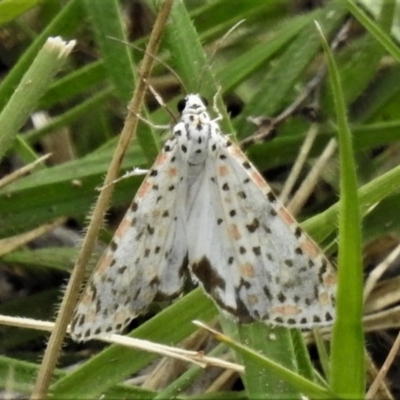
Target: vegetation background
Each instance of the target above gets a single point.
(272, 66)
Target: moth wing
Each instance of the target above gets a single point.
(146, 259)
(248, 252)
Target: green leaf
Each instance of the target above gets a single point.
(11, 9)
(347, 353)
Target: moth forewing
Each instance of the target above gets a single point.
(204, 205)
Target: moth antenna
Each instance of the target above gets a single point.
(160, 101)
(216, 47)
(170, 69)
(220, 41)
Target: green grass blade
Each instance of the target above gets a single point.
(322, 225)
(66, 21)
(347, 354)
(11, 9)
(301, 384)
(34, 83)
(19, 376)
(374, 29)
(260, 54)
(106, 22)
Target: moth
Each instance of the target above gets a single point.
(203, 211)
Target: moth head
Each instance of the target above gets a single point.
(192, 103)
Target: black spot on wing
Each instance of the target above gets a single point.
(253, 225)
(289, 263)
(208, 276)
(322, 271)
(328, 317)
(298, 250)
(121, 270)
(271, 197)
(281, 297)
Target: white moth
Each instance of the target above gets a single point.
(203, 210)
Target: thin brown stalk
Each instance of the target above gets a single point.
(71, 294)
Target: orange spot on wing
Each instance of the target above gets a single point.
(87, 298)
(310, 248)
(104, 263)
(286, 216)
(247, 270)
(223, 170)
(160, 159)
(123, 227)
(286, 310)
(329, 279)
(324, 299)
(144, 188)
(172, 172)
(120, 317)
(235, 151)
(233, 232)
(258, 179)
(90, 316)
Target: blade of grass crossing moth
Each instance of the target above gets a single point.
(102, 372)
(347, 351)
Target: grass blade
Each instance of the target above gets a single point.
(347, 356)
